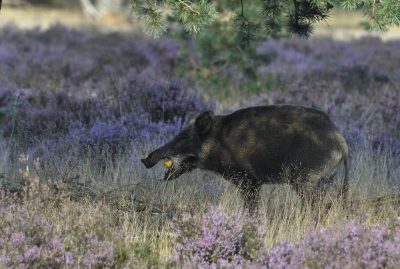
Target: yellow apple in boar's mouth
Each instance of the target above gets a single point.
(168, 163)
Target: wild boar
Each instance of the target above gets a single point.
(259, 145)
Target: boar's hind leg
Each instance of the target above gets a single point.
(313, 194)
(250, 192)
(318, 194)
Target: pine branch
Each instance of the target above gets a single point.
(272, 11)
(188, 7)
(305, 13)
(297, 17)
(246, 30)
(193, 17)
(383, 14)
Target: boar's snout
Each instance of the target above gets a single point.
(151, 160)
(146, 163)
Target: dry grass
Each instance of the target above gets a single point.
(136, 201)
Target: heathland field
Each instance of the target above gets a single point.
(79, 107)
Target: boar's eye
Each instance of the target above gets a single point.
(182, 137)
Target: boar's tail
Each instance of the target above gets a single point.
(345, 186)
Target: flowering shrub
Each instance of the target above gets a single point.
(33, 58)
(353, 246)
(107, 82)
(43, 228)
(78, 95)
(354, 64)
(222, 240)
(29, 240)
(165, 101)
(103, 137)
(34, 116)
(217, 240)
(140, 111)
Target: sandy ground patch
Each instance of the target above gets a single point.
(342, 25)
(32, 17)
(345, 25)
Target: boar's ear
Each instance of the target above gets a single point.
(204, 122)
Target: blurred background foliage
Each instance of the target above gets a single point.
(217, 54)
(82, 100)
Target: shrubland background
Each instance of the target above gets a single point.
(81, 102)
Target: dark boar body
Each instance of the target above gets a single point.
(260, 145)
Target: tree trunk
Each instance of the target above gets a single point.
(98, 8)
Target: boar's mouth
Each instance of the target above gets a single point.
(169, 168)
(178, 167)
(174, 167)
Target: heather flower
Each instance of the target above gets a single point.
(103, 136)
(217, 239)
(220, 240)
(32, 237)
(355, 245)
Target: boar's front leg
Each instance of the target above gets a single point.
(250, 191)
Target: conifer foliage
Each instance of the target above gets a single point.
(194, 16)
(279, 17)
